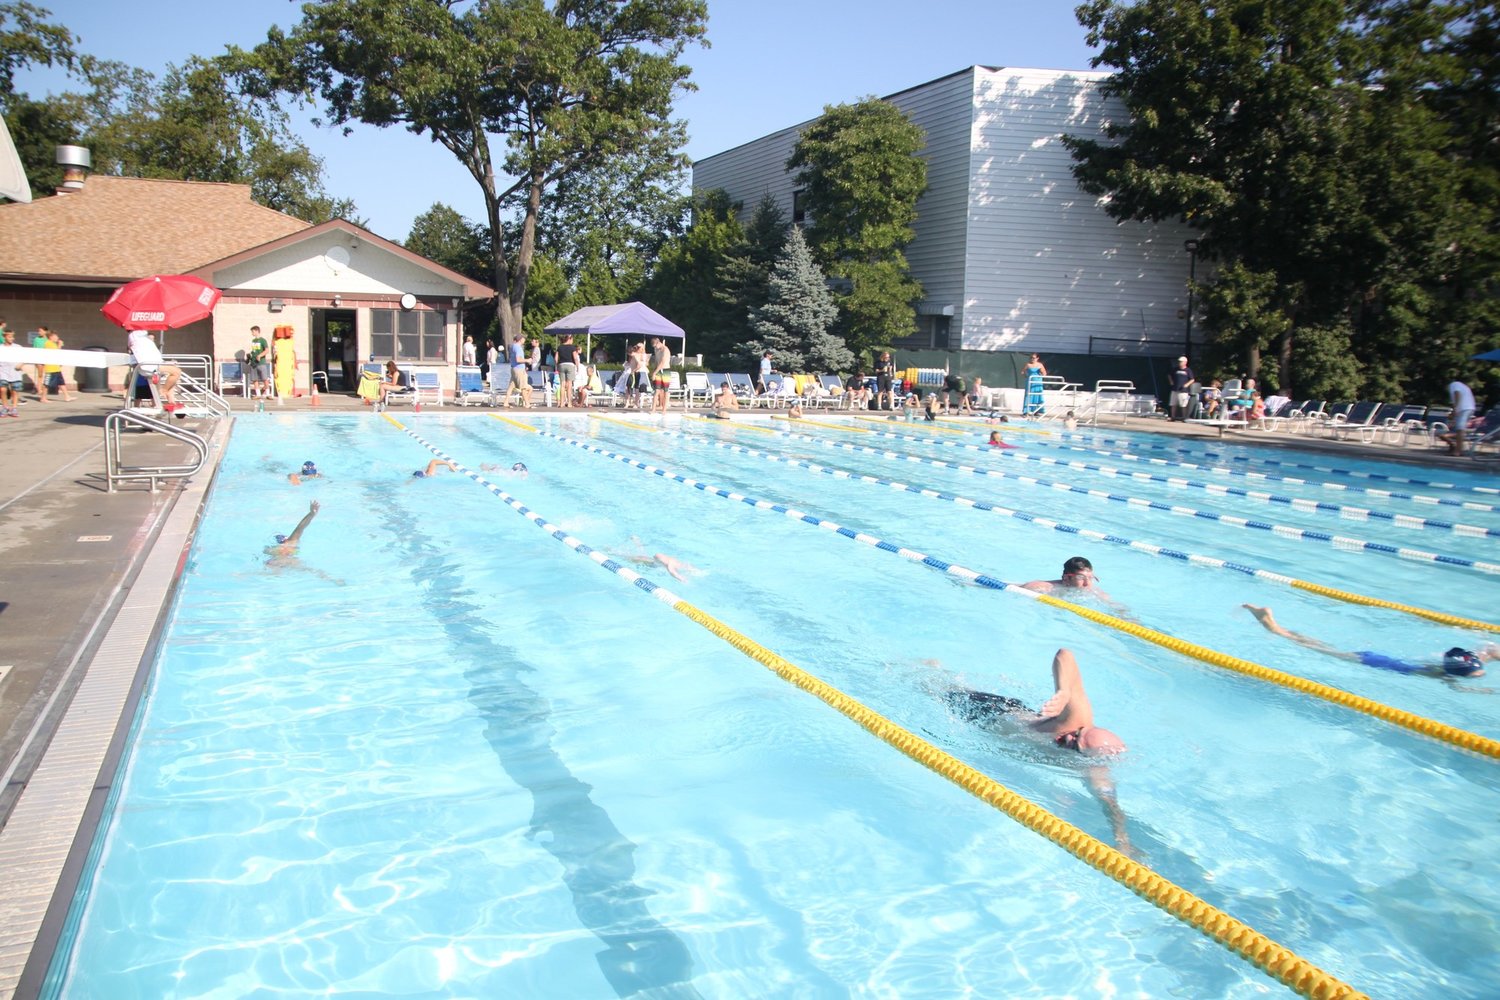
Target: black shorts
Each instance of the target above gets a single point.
(883, 383)
(981, 706)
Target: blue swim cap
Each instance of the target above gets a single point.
(309, 468)
(419, 474)
(518, 467)
(1462, 663)
(280, 539)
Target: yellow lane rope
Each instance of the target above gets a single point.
(1274, 959)
(1432, 728)
(804, 422)
(1006, 428)
(504, 420)
(618, 422)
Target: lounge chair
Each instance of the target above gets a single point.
(699, 392)
(232, 378)
(675, 388)
(1358, 419)
(743, 387)
(471, 389)
(833, 388)
(408, 391)
(540, 387)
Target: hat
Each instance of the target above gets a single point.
(1462, 663)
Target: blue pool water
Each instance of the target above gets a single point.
(449, 756)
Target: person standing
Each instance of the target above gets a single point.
(53, 373)
(567, 370)
(534, 356)
(885, 379)
(518, 380)
(1035, 387)
(661, 360)
(640, 364)
(766, 368)
(10, 374)
(38, 381)
(260, 369)
(470, 354)
(1462, 399)
(1181, 401)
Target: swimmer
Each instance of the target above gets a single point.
(516, 468)
(283, 555)
(309, 471)
(1070, 422)
(433, 467)
(996, 441)
(1457, 662)
(1077, 574)
(1066, 720)
(676, 567)
(725, 403)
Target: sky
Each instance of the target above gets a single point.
(769, 64)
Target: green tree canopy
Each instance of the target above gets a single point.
(861, 174)
(1302, 138)
(685, 283)
(564, 87)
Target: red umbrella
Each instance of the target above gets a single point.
(161, 302)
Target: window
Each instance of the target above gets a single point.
(799, 208)
(931, 334)
(408, 335)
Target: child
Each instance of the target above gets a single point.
(996, 441)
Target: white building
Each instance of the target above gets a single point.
(1012, 256)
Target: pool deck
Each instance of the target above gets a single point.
(87, 578)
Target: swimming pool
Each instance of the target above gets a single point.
(469, 762)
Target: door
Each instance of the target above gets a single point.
(335, 348)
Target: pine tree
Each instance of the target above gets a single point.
(794, 322)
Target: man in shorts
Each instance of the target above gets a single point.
(518, 378)
(258, 367)
(10, 374)
(1457, 662)
(148, 362)
(1462, 398)
(661, 380)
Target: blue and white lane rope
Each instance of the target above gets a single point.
(1295, 503)
(1155, 550)
(1341, 542)
(1428, 727)
(1326, 470)
(1220, 470)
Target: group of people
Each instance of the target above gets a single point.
(46, 380)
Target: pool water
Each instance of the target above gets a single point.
(444, 755)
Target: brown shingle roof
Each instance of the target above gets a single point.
(128, 227)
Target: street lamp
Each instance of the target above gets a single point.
(1191, 246)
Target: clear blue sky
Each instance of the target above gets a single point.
(772, 63)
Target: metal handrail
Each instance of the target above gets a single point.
(116, 472)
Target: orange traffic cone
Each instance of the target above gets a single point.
(315, 394)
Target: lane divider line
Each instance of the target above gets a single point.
(1326, 470)
(1220, 470)
(1440, 731)
(1344, 511)
(1342, 542)
(1156, 550)
(1277, 961)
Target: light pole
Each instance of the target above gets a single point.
(1191, 246)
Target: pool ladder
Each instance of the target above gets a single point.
(115, 471)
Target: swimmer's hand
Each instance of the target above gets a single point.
(314, 507)
(1053, 706)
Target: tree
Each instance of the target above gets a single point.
(564, 86)
(443, 235)
(794, 323)
(27, 38)
(684, 287)
(861, 176)
(1315, 174)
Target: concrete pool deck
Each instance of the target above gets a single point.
(88, 575)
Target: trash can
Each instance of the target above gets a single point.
(93, 379)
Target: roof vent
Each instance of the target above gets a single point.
(76, 162)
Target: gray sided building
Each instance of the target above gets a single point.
(1012, 256)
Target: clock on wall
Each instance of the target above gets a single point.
(408, 301)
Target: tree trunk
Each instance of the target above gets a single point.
(1284, 359)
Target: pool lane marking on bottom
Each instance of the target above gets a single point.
(1322, 590)
(1342, 542)
(1276, 960)
(1432, 728)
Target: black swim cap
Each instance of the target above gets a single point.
(1462, 662)
(518, 467)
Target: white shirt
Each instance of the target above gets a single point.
(143, 348)
(470, 355)
(1464, 396)
(8, 370)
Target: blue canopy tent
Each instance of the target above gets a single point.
(1488, 355)
(630, 318)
